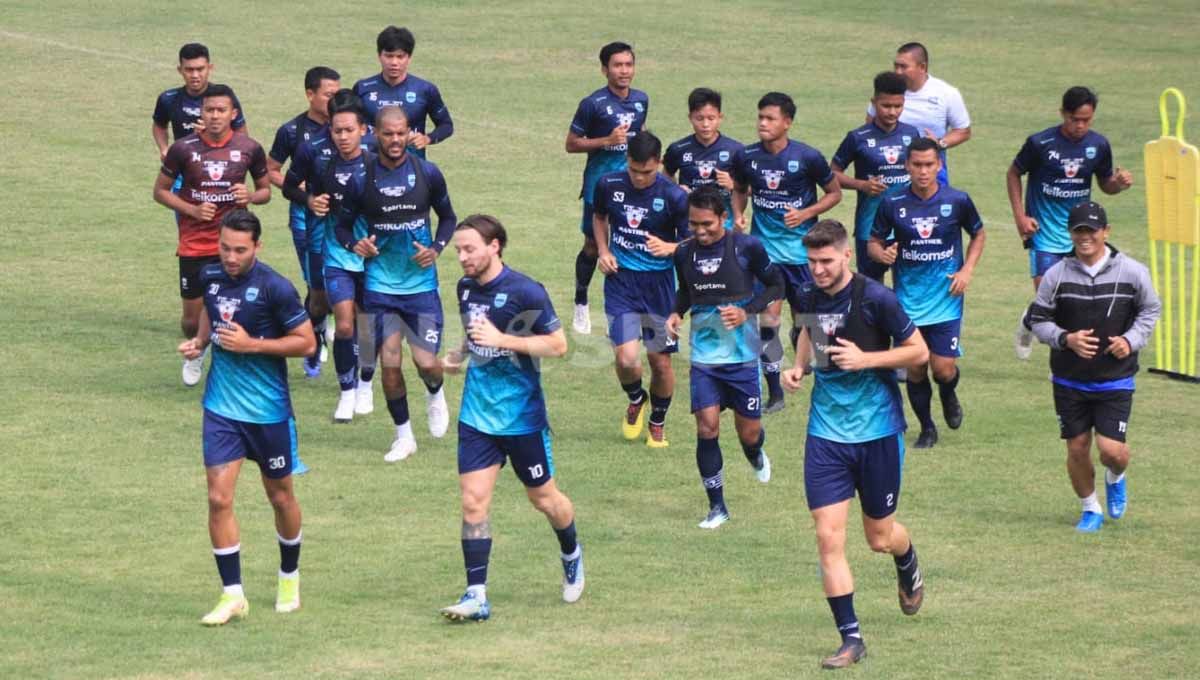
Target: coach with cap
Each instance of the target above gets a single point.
(1095, 308)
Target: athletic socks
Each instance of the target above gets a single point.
(708, 461)
(289, 553)
(585, 268)
(345, 362)
(771, 357)
(1110, 478)
(567, 542)
(475, 559)
(634, 391)
(906, 568)
(1091, 504)
(399, 409)
(844, 617)
(229, 566)
(753, 452)
(658, 409)
(920, 395)
(946, 389)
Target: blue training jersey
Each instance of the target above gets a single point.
(777, 182)
(875, 153)
(697, 164)
(1060, 177)
(709, 268)
(419, 98)
(633, 214)
(503, 390)
(311, 159)
(181, 111)
(597, 116)
(855, 406)
(336, 176)
(288, 139)
(251, 388)
(931, 249)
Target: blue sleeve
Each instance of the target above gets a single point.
(286, 307)
(971, 221)
(1027, 158)
(680, 214)
(281, 148)
(440, 115)
(1104, 169)
(240, 121)
(439, 198)
(539, 301)
(738, 170)
(882, 226)
(162, 111)
(671, 160)
(891, 317)
(818, 168)
(297, 174)
(343, 228)
(583, 117)
(844, 156)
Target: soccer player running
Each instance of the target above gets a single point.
(859, 335)
(877, 151)
(931, 275)
(395, 195)
(705, 157)
(211, 168)
(1061, 162)
(1096, 308)
(354, 332)
(782, 176)
(395, 86)
(179, 108)
(717, 270)
(931, 105)
(503, 414)
(604, 123)
(638, 220)
(253, 318)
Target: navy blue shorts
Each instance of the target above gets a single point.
(734, 386)
(794, 278)
(417, 316)
(1040, 261)
(314, 271)
(637, 305)
(272, 446)
(585, 222)
(531, 454)
(943, 338)
(296, 223)
(867, 266)
(833, 471)
(342, 284)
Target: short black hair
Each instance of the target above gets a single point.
(314, 76)
(1079, 96)
(704, 96)
(644, 147)
(488, 227)
(193, 51)
(889, 82)
(612, 48)
(923, 144)
(344, 100)
(707, 197)
(243, 220)
(219, 90)
(395, 38)
(786, 106)
(916, 49)
(826, 233)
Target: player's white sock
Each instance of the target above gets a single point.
(294, 574)
(1090, 504)
(577, 553)
(235, 589)
(404, 431)
(1111, 479)
(479, 592)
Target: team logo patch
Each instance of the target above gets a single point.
(410, 97)
(638, 106)
(227, 307)
(907, 139)
(891, 154)
(412, 180)
(251, 294)
(706, 168)
(793, 166)
(829, 323)
(723, 156)
(235, 155)
(1090, 152)
(659, 204)
(924, 225)
(342, 177)
(945, 209)
(393, 192)
(1071, 166)
(194, 113)
(634, 215)
(625, 119)
(709, 266)
(215, 169)
(501, 298)
(772, 177)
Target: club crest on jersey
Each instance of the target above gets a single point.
(412, 180)
(709, 266)
(634, 215)
(891, 154)
(501, 298)
(215, 169)
(659, 204)
(829, 323)
(227, 307)
(195, 113)
(393, 192)
(945, 209)
(772, 177)
(1090, 152)
(793, 166)
(723, 156)
(907, 139)
(638, 106)
(476, 312)
(410, 97)
(235, 155)
(342, 177)
(1071, 166)
(706, 168)
(625, 119)
(251, 294)
(924, 225)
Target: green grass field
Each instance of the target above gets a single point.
(105, 565)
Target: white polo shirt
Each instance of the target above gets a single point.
(937, 106)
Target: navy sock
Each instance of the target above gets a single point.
(475, 559)
(906, 568)
(399, 409)
(229, 564)
(432, 388)
(658, 409)
(708, 460)
(946, 389)
(753, 452)
(843, 615)
(566, 539)
(634, 391)
(585, 268)
(289, 553)
(771, 357)
(920, 394)
(344, 362)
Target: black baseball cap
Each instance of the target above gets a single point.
(1089, 215)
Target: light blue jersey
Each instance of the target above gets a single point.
(1060, 178)
(597, 116)
(778, 182)
(875, 153)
